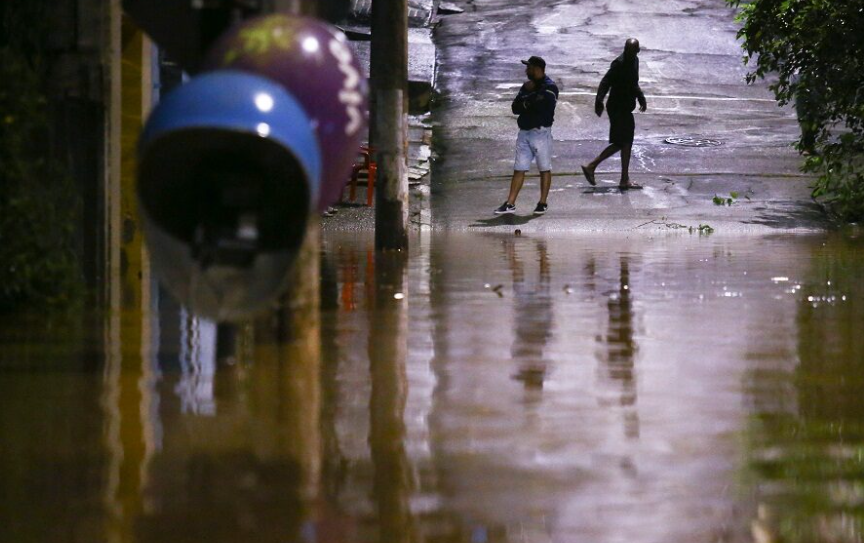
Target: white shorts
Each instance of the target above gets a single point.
(534, 144)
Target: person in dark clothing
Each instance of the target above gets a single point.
(535, 106)
(622, 84)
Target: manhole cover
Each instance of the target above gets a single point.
(692, 141)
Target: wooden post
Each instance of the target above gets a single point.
(389, 78)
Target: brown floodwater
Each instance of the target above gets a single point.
(480, 388)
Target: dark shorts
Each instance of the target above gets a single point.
(622, 126)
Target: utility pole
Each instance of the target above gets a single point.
(389, 82)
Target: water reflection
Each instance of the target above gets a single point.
(51, 426)
(332, 458)
(532, 312)
(197, 365)
(388, 353)
(419, 405)
(617, 357)
(807, 432)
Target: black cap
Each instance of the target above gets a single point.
(535, 61)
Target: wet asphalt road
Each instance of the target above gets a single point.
(692, 74)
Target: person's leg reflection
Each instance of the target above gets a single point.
(532, 304)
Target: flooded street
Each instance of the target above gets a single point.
(678, 364)
(483, 388)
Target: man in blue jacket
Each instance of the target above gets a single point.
(535, 106)
(622, 80)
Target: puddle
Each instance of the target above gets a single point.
(482, 388)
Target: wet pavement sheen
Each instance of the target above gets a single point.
(692, 73)
(483, 388)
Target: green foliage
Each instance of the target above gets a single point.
(814, 47)
(725, 201)
(39, 204)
